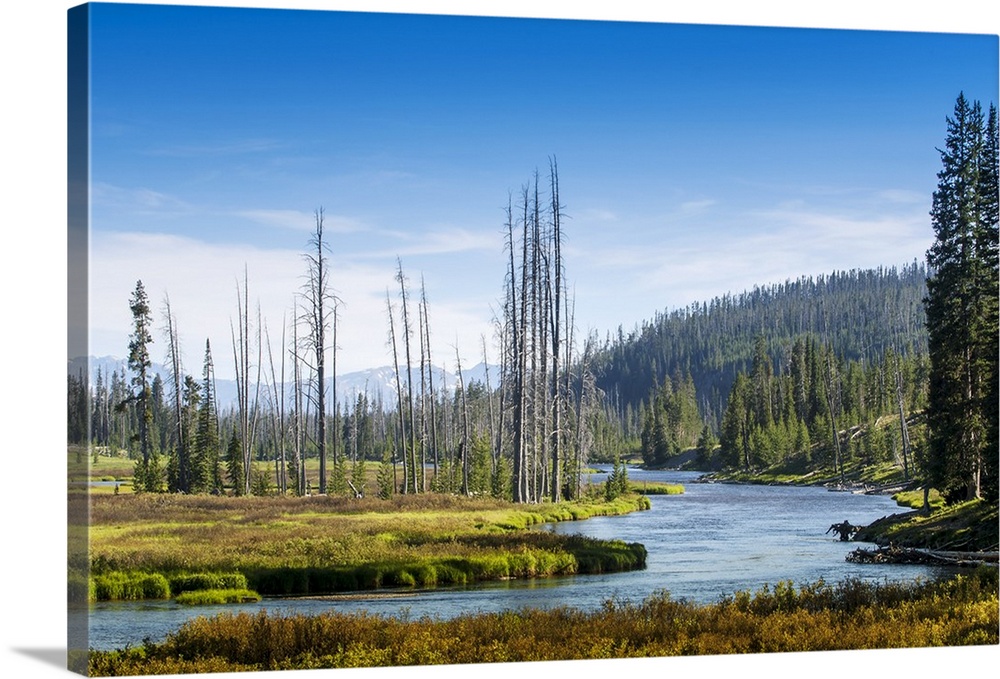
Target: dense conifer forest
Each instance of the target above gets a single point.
(860, 314)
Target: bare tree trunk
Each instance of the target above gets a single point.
(321, 308)
(516, 324)
(495, 450)
(247, 411)
(556, 299)
(333, 381)
(297, 426)
(278, 411)
(176, 378)
(463, 446)
(399, 388)
(430, 377)
(407, 332)
(568, 391)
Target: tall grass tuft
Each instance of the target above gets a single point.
(209, 597)
(186, 582)
(118, 586)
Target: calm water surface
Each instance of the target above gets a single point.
(713, 540)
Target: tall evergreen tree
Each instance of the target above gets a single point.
(140, 363)
(207, 434)
(961, 308)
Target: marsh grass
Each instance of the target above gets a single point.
(656, 488)
(816, 617)
(285, 545)
(187, 582)
(211, 597)
(133, 585)
(119, 586)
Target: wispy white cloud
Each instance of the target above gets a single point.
(141, 200)
(903, 196)
(692, 207)
(297, 220)
(445, 240)
(597, 215)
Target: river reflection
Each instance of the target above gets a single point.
(711, 541)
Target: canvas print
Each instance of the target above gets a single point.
(413, 339)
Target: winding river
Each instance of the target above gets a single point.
(713, 540)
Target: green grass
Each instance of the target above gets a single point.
(212, 597)
(914, 499)
(969, 526)
(120, 586)
(133, 585)
(655, 488)
(287, 545)
(815, 617)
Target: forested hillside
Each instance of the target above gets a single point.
(859, 313)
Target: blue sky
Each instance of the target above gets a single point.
(694, 160)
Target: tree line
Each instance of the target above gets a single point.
(520, 434)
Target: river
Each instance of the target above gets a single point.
(713, 540)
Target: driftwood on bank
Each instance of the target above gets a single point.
(910, 555)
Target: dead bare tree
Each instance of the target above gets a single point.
(407, 333)
(555, 322)
(247, 409)
(427, 361)
(494, 461)
(176, 376)
(463, 445)
(399, 390)
(277, 411)
(319, 314)
(297, 424)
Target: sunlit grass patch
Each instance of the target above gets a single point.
(210, 597)
(656, 488)
(119, 586)
(914, 499)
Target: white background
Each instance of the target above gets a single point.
(33, 328)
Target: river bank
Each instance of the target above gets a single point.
(971, 526)
(815, 617)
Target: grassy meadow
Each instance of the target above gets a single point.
(320, 544)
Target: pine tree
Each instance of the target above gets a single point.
(987, 245)
(385, 474)
(961, 308)
(234, 464)
(140, 363)
(206, 444)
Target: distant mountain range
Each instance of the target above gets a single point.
(373, 381)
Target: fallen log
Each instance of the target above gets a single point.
(910, 555)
